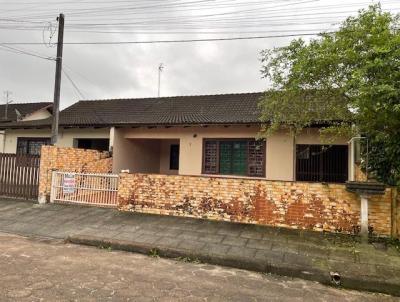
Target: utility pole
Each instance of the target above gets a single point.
(57, 85)
(8, 101)
(160, 69)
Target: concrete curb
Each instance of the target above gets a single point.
(349, 281)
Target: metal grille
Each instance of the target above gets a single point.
(322, 163)
(85, 188)
(211, 157)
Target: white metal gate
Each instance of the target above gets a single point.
(84, 188)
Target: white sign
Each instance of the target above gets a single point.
(69, 184)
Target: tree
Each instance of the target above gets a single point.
(350, 78)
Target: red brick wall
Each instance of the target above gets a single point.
(302, 205)
(70, 160)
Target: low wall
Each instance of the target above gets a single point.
(301, 205)
(70, 160)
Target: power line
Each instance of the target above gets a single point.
(188, 7)
(173, 41)
(5, 47)
(73, 84)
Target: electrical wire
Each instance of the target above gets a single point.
(73, 84)
(5, 47)
(172, 41)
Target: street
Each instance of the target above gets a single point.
(40, 270)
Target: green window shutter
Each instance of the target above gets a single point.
(225, 157)
(234, 157)
(239, 158)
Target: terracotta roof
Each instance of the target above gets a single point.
(241, 108)
(23, 108)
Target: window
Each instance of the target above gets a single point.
(174, 157)
(321, 163)
(244, 157)
(99, 144)
(31, 145)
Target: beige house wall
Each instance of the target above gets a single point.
(146, 150)
(165, 150)
(66, 136)
(280, 153)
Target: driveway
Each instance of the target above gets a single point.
(34, 270)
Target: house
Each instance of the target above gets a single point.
(190, 135)
(22, 112)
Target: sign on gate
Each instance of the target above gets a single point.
(84, 188)
(69, 184)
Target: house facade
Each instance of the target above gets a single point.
(229, 150)
(22, 112)
(189, 135)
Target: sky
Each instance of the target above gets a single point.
(127, 70)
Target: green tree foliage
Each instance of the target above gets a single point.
(350, 78)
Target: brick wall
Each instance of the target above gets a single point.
(301, 205)
(70, 160)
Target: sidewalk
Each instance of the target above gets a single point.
(308, 255)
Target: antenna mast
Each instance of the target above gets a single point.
(8, 101)
(160, 69)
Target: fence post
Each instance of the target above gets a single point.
(53, 186)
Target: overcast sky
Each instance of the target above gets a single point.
(131, 70)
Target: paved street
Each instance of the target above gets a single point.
(284, 252)
(33, 270)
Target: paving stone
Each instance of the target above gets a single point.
(269, 256)
(259, 244)
(297, 259)
(147, 239)
(251, 234)
(169, 241)
(310, 250)
(234, 241)
(210, 238)
(170, 232)
(127, 235)
(285, 247)
(236, 251)
(216, 249)
(191, 245)
(186, 235)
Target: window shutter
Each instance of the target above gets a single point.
(211, 157)
(256, 157)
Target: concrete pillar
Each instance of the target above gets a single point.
(364, 216)
(112, 134)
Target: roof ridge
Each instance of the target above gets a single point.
(172, 97)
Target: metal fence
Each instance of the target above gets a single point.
(85, 188)
(19, 175)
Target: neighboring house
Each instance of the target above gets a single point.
(17, 112)
(191, 135)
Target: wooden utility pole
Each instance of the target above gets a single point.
(57, 85)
